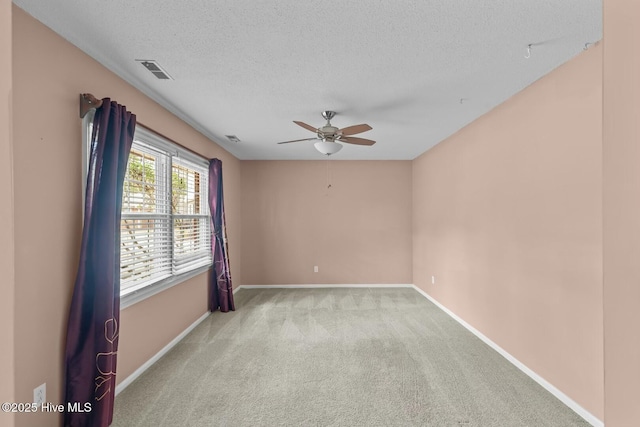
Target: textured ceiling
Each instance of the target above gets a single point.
(415, 70)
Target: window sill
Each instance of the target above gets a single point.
(135, 297)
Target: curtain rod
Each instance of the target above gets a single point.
(88, 102)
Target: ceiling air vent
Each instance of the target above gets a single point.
(155, 69)
(233, 138)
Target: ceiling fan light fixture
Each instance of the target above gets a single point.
(327, 147)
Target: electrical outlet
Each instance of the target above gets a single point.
(40, 394)
(315, 268)
(433, 280)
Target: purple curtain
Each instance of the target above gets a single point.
(92, 331)
(220, 286)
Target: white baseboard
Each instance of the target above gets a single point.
(406, 285)
(589, 417)
(146, 365)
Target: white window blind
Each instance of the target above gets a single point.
(191, 219)
(145, 233)
(165, 226)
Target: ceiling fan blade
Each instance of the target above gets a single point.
(296, 140)
(358, 141)
(352, 130)
(306, 126)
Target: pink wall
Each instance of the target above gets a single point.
(621, 151)
(507, 215)
(151, 324)
(7, 283)
(356, 232)
(47, 174)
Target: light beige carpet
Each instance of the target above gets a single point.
(336, 357)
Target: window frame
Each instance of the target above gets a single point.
(146, 136)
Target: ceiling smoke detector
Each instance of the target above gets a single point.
(155, 69)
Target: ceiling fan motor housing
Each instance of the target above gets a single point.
(328, 132)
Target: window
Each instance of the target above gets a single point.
(165, 226)
(165, 230)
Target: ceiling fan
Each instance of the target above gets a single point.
(330, 136)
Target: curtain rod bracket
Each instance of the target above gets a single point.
(88, 102)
